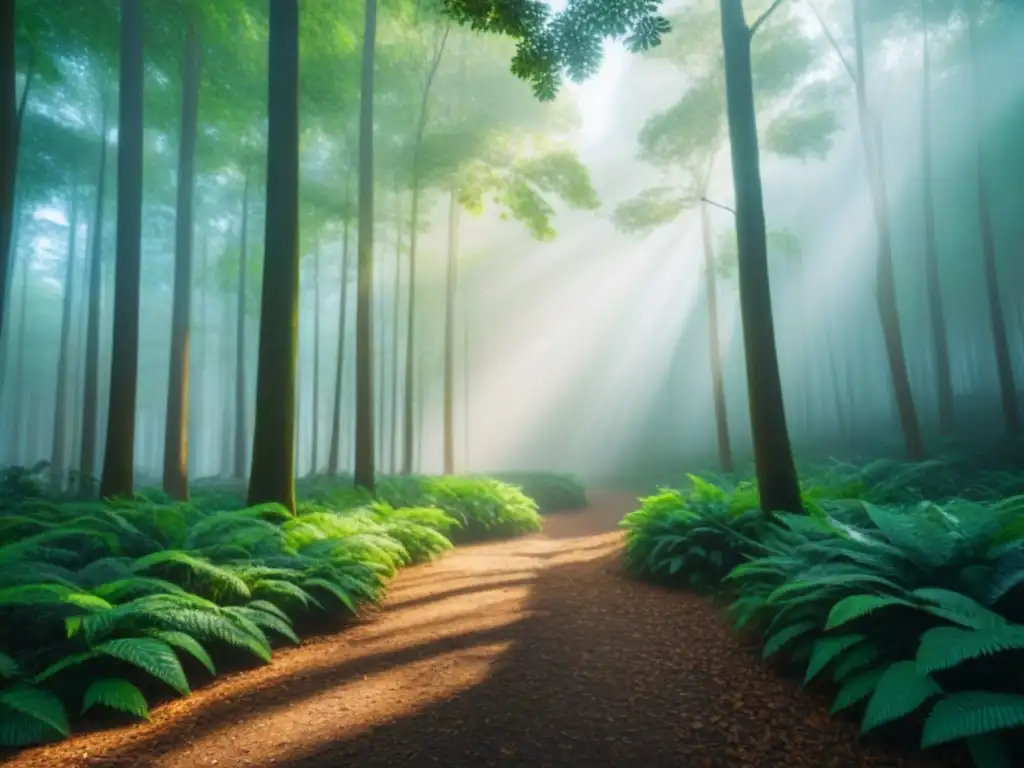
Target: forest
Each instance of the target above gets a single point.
(511, 382)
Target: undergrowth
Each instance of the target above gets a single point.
(906, 598)
(116, 604)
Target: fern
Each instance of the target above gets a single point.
(971, 714)
(30, 715)
(947, 647)
(899, 691)
(115, 693)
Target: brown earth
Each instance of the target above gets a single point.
(531, 652)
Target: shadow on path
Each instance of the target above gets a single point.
(533, 652)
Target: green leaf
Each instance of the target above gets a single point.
(150, 655)
(856, 606)
(777, 641)
(116, 693)
(856, 688)
(947, 647)
(29, 715)
(184, 642)
(958, 608)
(900, 691)
(8, 666)
(989, 751)
(826, 649)
(970, 714)
(858, 658)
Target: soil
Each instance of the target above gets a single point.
(531, 652)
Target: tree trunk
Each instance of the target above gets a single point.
(714, 346)
(936, 310)
(118, 469)
(449, 333)
(242, 286)
(58, 461)
(395, 317)
(90, 396)
(885, 281)
(334, 455)
(199, 430)
(315, 448)
(1004, 366)
(776, 473)
(20, 409)
(175, 475)
(410, 367)
(365, 473)
(272, 478)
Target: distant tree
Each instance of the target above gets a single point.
(687, 139)
(551, 46)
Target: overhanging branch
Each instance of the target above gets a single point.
(718, 205)
(764, 17)
(832, 40)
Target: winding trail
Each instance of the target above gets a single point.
(531, 652)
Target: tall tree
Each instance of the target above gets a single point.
(118, 461)
(8, 144)
(175, 475)
(272, 478)
(58, 462)
(365, 472)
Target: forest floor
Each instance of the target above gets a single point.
(530, 652)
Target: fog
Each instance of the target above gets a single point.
(585, 352)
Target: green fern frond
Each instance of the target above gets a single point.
(334, 589)
(265, 621)
(948, 647)
(30, 715)
(857, 606)
(971, 714)
(116, 693)
(221, 583)
(781, 638)
(827, 649)
(900, 690)
(184, 642)
(958, 608)
(150, 655)
(857, 659)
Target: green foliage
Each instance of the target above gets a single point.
(97, 597)
(915, 606)
(553, 492)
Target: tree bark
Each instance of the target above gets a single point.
(241, 411)
(90, 396)
(449, 333)
(199, 431)
(175, 474)
(58, 461)
(395, 317)
(118, 461)
(888, 307)
(272, 478)
(8, 144)
(315, 448)
(365, 472)
(936, 309)
(1001, 347)
(714, 345)
(334, 454)
(776, 472)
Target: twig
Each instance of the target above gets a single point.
(764, 17)
(718, 205)
(833, 41)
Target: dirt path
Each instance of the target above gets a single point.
(533, 652)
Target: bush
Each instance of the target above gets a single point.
(110, 604)
(553, 491)
(915, 609)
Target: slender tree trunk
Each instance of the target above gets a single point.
(408, 414)
(315, 448)
(199, 431)
(365, 473)
(58, 462)
(1004, 366)
(449, 333)
(272, 478)
(90, 396)
(334, 454)
(227, 437)
(241, 410)
(714, 345)
(776, 472)
(936, 309)
(12, 115)
(395, 318)
(888, 307)
(380, 328)
(175, 469)
(118, 469)
(20, 410)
